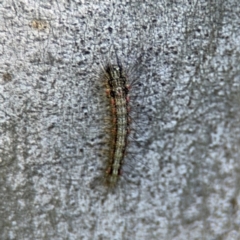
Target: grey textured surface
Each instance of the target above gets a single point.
(183, 182)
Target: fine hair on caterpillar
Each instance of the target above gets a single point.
(121, 90)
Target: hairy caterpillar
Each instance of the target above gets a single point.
(117, 91)
(117, 127)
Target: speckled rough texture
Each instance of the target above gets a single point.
(182, 176)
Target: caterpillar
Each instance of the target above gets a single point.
(117, 89)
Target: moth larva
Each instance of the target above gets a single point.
(117, 92)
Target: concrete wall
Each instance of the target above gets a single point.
(181, 173)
